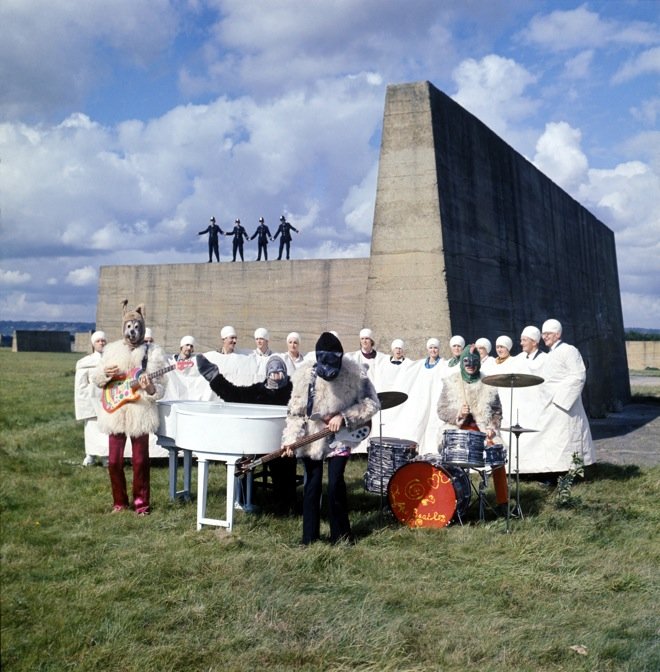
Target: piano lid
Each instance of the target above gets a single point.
(229, 428)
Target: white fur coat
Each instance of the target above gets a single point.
(141, 416)
(483, 400)
(351, 393)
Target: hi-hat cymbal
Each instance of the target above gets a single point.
(512, 380)
(391, 399)
(517, 429)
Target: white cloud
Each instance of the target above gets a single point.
(82, 276)
(13, 277)
(559, 156)
(648, 62)
(52, 52)
(647, 111)
(580, 28)
(579, 66)
(492, 89)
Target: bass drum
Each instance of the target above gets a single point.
(427, 493)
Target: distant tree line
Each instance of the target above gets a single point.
(636, 335)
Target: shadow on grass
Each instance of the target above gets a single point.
(606, 471)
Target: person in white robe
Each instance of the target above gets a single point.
(293, 358)
(563, 423)
(87, 399)
(261, 353)
(367, 356)
(484, 346)
(526, 404)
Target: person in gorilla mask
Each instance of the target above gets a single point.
(334, 393)
(275, 390)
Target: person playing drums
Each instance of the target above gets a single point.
(466, 403)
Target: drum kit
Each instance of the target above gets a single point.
(433, 490)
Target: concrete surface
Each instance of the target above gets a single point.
(631, 436)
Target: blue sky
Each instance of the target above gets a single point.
(126, 124)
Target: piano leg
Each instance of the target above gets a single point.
(187, 473)
(231, 473)
(172, 456)
(202, 488)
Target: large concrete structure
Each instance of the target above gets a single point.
(30, 340)
(468, 237)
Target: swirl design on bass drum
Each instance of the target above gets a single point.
(414, 490)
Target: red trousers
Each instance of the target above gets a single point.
(117, 443)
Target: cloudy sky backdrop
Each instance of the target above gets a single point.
(126, 124)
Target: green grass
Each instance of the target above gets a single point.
(83, 589)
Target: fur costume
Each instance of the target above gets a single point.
(141, 416)
(483, 400)
(351, 394)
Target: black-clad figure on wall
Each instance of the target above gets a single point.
(285, 230)
(214, 231)
(239, 233)
(264, 234)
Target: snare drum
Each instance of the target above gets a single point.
(426, 493)
(463, 448)
(495, 455)
(385, 456)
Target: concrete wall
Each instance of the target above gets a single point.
(81, 342)
(643, 354)
(199, 299)
(468, 237)
(25, 340)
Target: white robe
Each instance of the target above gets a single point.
(555, 408)
(87, 398)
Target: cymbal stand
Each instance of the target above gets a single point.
(517, 430)
(508, 484)
(381, 505)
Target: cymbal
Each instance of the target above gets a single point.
(517, 429)
(391, 399)
(512, 380)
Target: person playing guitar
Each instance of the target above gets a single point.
(133, 410)
(331, 393)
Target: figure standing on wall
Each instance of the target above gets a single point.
(285, 230)
(214, 231)
(263, 233)
(239, 233)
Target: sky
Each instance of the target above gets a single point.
(126, 124)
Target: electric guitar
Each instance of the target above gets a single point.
(358, 434)
(124, 387)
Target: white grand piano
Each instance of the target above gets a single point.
(215, 432)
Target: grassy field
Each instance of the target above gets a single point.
(572, 589)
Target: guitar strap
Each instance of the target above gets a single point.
(145, 358)
(311, 392)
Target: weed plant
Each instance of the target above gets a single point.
(572, 589)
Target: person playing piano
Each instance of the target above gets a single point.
(274, 390)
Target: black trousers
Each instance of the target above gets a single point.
(262, 246)
(214, 248)
(282, 244)
(340, 527)
(237, 246)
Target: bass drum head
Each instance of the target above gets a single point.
(425, 493)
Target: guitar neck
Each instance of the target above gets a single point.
(153, 374)
(310, 438)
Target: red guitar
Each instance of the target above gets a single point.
(124, 388)
(360, 433)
